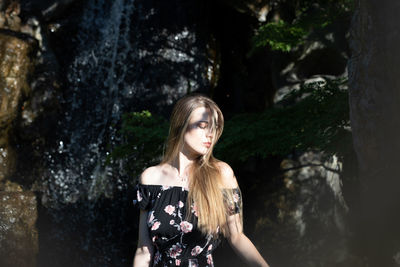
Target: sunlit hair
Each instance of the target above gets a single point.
(205, 184)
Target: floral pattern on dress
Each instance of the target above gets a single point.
(152, 222)
(176, 240)
(175, 250)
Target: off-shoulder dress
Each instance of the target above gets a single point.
(176, 241)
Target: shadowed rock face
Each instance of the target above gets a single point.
(17, 50)
(374, 107)
(15, 66)
(18, 234)
(18, 213)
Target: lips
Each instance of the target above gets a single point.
(207, 144)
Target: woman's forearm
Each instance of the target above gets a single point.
(145, 249)
(143, 257)
(242, 245)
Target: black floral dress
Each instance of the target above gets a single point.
(176, 242)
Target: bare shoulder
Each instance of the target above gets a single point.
(227, 175)
(150, 175)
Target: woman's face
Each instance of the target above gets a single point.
(199, 135)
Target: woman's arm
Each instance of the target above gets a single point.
(237, 239)
(144, 251)
(242, 245)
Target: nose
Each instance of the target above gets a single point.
(209, 132)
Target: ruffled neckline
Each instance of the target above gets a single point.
(168, 187)
(165, 187)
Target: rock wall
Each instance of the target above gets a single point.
(18, 207)
(19, 244)
(15, 67)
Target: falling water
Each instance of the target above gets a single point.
(125, 60)
(107, 77)
(92, 103)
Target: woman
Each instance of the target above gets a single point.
(190, 199)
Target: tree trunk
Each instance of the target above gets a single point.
(374, 83)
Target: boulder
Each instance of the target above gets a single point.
(18, 234)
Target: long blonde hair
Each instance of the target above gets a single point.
(205, 184)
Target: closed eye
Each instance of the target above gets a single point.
(202, 125)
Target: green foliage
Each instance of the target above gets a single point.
(143, 138)
(314, 117)
(309, 16)
(279, 36)
(317, 119)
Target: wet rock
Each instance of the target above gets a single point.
(15, 66)
(9, 15)
(7, 161)
(9, 186)
(18, 234)
(45, 10)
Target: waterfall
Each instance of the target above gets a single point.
(125, 58)
(124, 62)
(92, 103)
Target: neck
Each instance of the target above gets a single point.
(182, 162)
